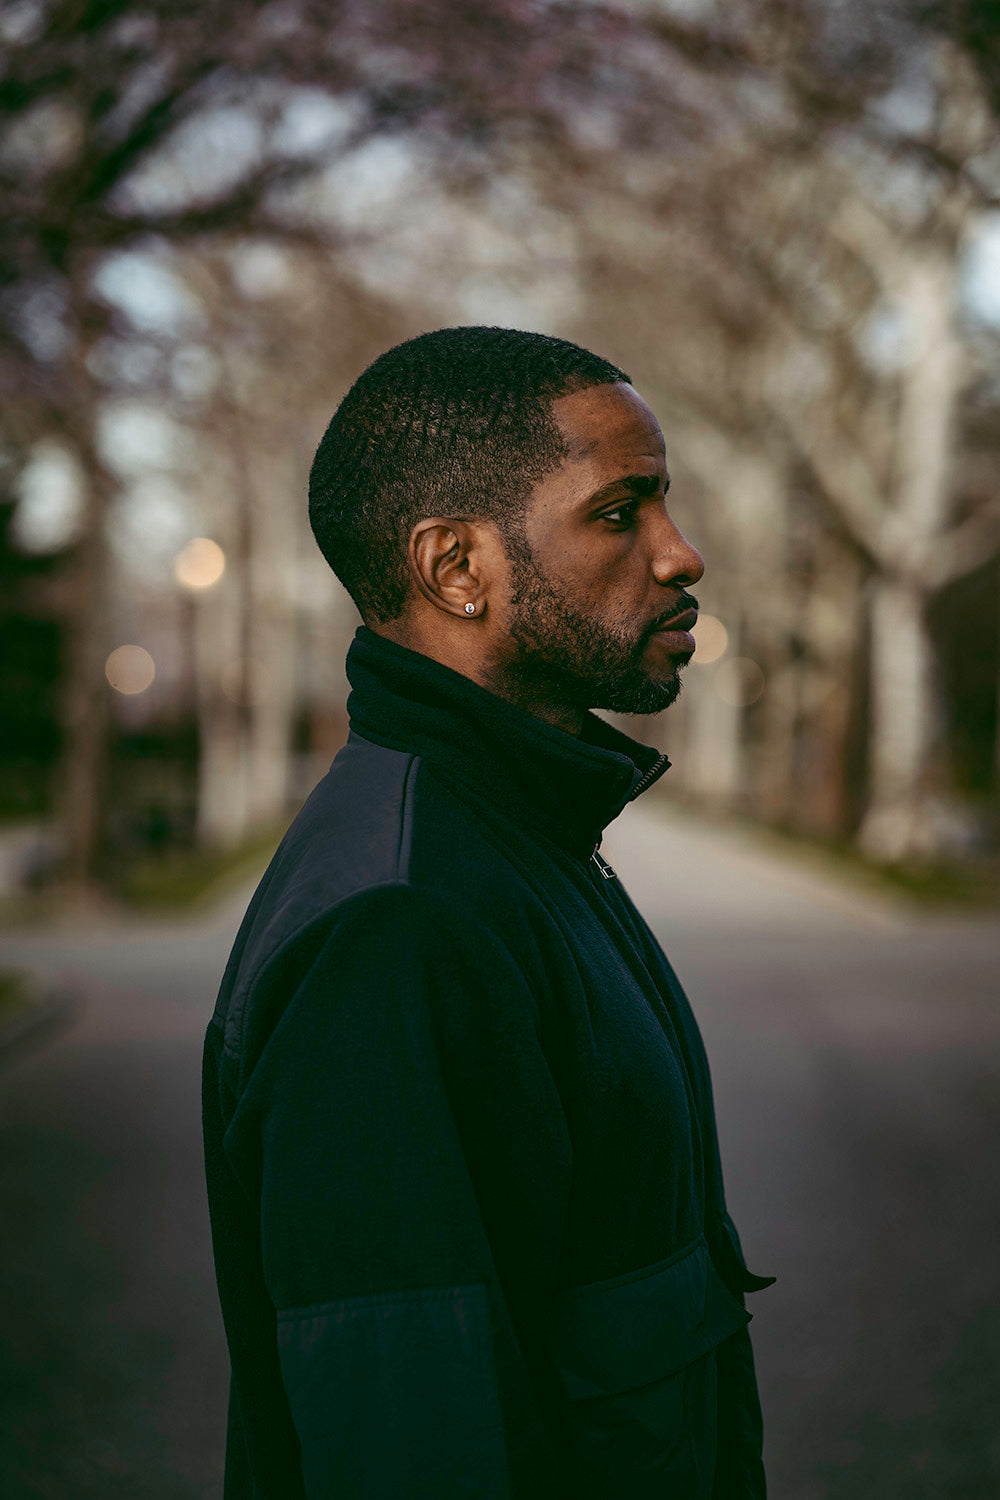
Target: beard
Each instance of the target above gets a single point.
(584, 662)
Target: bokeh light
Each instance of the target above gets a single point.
(199, 564)
(739, 681)
(710, 638)
(130, 669)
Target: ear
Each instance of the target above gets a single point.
(446, 561)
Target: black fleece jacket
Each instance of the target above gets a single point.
(465, 1191)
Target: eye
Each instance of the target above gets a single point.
(622, 516)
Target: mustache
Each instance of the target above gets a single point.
(682, 604)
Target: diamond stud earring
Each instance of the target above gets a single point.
(470, 608)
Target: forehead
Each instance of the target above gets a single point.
(608, 424)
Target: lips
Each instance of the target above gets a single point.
(686, 620)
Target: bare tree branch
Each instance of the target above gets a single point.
(968, 546)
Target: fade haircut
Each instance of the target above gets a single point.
(455, 423)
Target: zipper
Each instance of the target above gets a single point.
(655, 771)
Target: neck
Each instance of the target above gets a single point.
(462, 652)
(533, 699)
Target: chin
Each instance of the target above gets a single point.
(639, 695)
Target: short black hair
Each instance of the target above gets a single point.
(456, 422)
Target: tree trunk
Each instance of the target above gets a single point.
(79, 799)
(902, 727)
(822, 761)
(80, 794)
(271, 643)
(714, 763)
(900, 820)
(222, 771)
(748, 492)
(758, 513)
(996, 728)
(713, 754)
(829, 624)
(264, 558)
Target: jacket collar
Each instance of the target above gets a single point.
(569, 788)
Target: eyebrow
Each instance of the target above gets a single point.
(639, 485)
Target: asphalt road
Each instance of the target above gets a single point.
(855, 1054)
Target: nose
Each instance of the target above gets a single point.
(676, 561)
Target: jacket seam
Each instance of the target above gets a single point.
(641, 1273)
(443, 1292)
(403, 846)
(408, 798)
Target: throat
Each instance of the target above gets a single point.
(531, 699)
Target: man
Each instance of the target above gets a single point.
(466, 1199)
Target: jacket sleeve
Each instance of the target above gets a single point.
(412, 1161)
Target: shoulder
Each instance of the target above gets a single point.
(381, 818)
(350, 836)
(392, 959)
(382, 861)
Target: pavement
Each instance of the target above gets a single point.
(854, 1043)
(854, 1046)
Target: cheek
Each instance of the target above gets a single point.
(618, 573)
(605, 575)
(596, 561)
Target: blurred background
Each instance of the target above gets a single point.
(782, 217)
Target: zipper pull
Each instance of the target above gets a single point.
(603, 865)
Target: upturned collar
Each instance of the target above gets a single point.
(569, 787)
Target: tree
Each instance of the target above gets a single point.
(735, 143)
(184, 122)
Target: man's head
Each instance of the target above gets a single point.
(494, 499)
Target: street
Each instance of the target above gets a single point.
(854, 1047)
